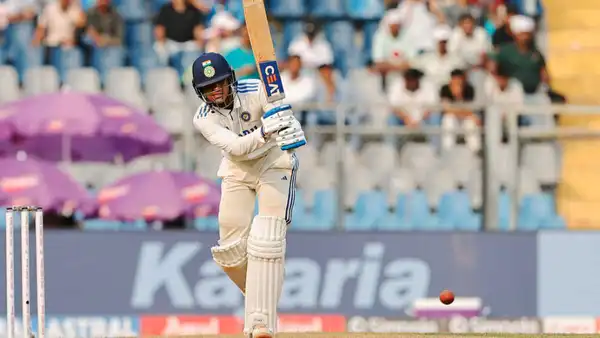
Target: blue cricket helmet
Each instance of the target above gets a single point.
(208, 69)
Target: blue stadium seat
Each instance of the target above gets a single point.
(504, 206)
(65, 59)
(370, 209)
(206, 223)
(454, 207)
(288, 9)
(103, 59)
(324, 208)
(470, 222)
(365, 9)
(413, 208)
(326, 9)
(304, 219)
(99, 224)
(392, 221)
(538, 211)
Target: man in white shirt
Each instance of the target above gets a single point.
(312, 47)
(420, 17)
(504, 93)
(391, 51)
(437, 65)
(300, 86)
(470, 42)
(411, 99)
(58, 23)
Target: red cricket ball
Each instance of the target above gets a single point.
(447, 297)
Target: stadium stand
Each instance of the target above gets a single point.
(412, 186)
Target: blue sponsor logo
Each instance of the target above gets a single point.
(272, 79)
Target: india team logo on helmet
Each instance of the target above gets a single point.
(209, 70)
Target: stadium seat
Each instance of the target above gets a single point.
(454, 208)
(84, 80)
(325, 206)
(471, 222)
(9, 82)
(326, 9)
(105, 59)
(125, 84)
(543, 160)
(41, 80)
(64, 59)
(289, 9)
(28, 58)
(303, 219)
(393, 222)
(144, 59)
(440, 181)
(369, 210)
(504, 210)
(475, 188)
(365, 9)
(460, 160)
(537, 211)
(413, 208)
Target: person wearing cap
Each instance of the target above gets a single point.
(257, 139)
(312, 47)
(437, 65)
(391, 51)
(521, 58)
(411, 99)
(178, 27)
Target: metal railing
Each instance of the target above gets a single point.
(496, 117)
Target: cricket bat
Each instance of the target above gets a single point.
(262, 47)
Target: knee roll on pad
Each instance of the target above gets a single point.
(266, 253)
(231, 254)
(267, 238)
(233, 258)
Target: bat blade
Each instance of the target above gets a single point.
(262, 47)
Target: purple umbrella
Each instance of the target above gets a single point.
(83, 127)
(33, 182)
(159, 195)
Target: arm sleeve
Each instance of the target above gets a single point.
(225, 139)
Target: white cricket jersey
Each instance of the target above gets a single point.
(237, 132)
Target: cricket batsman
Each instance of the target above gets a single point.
(256, 138)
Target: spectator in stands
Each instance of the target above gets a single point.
(391, 51)
(504, 92)
(58, 24)
(503, 34)
(300, 86)
(410, 97)
(178, 27)
(437, 65)
(521, 58)
(105, 25)
(242, 59)
(459, 90)
(457, 8)
(312, 47)
(470, 42)
(224, 33)
(419, 19)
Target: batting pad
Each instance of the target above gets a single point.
(233, 259)
(266, 253)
